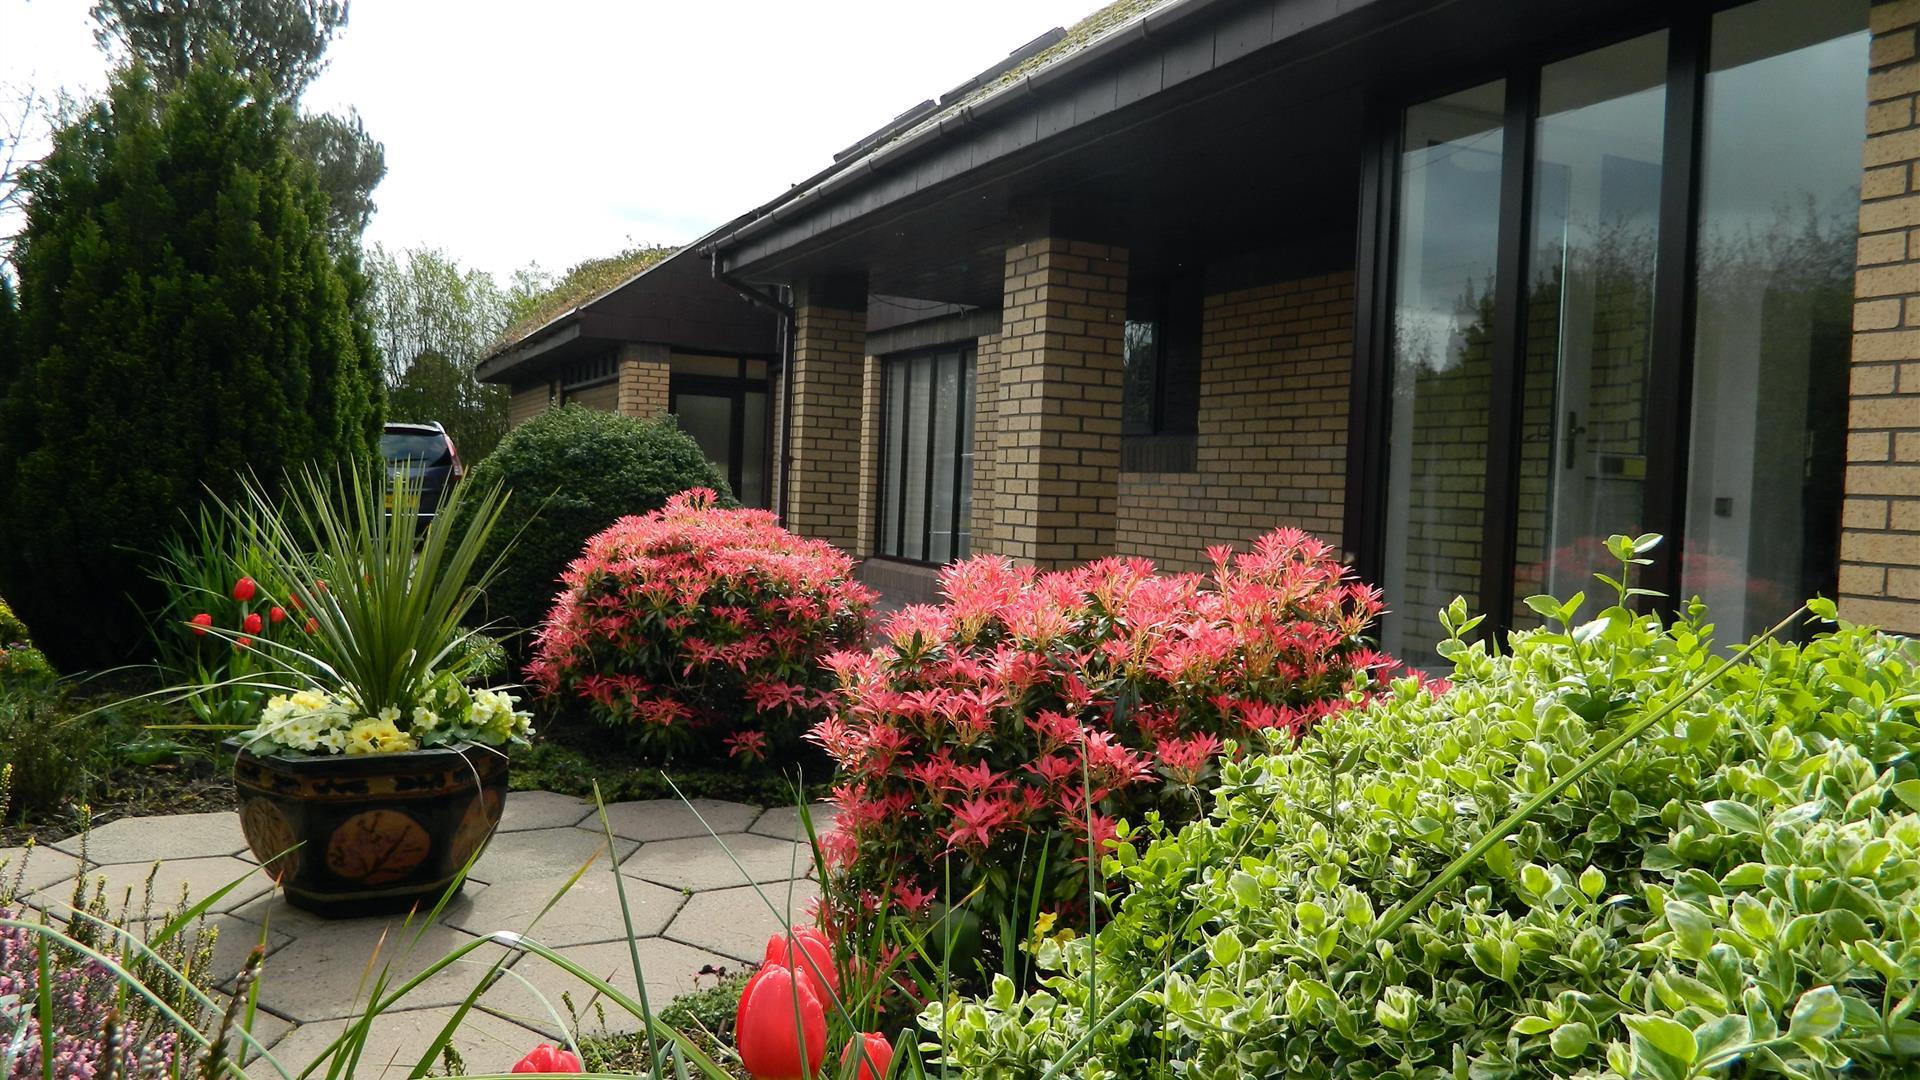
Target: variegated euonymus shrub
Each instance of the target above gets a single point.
(1736, 892)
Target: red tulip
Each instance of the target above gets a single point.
(276, 614)
(548, 1058)
(251, 624)
(873, 1052)
(242, 643)
(771, 1045)
(294, 599)
(244, 589)
(313, 624)
(200, 623)
(814, 959)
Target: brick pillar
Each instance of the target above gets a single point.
(644, 371)
(1056, 461)
(1880, 541)
(829, 353)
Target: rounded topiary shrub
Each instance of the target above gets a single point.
(574, 471)
(699, 630)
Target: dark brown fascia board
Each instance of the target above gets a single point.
(1053, 112)
(544, 340)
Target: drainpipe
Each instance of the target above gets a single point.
(785, 311)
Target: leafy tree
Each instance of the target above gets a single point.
(282, 41)
(433, 320)
(182, 318)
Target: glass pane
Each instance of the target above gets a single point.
(1140, 355)
(1444, 257)
(964, 544)
(709, 419)
(1596, 208)
(1773, 303)
(913, 541)
(946, 449)
(753, 451)
(894, 467)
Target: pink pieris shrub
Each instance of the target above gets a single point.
(989, 742)
(701, 629)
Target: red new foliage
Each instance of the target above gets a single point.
(983, 739)
(697, 627)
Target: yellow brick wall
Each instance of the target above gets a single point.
(527, 401)
(872, 419)
(644, 372)
(986, 433)
(605, 397)
(829, 357)
(1880, 538)
(1056, 456)
(1276, 365)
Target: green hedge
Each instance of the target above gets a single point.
(1734, 893)
(573, 471)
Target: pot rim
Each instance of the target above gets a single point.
(241, 746)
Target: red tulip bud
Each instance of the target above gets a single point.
(242, 643)
(771, 1045)
(313, 624)
(244, 589)
(200, 623)
(276, 614)
(548, 1058)
(807, 951)
(251, 624)
(873, 1053)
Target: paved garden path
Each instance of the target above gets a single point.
(695, 907)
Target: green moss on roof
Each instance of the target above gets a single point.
(585, 283)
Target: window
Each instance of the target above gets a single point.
(1160, 396)
(1591, 326)
(926, 458)
(722, 403)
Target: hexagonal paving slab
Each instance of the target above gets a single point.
(328, 974)
(30, 869)
(126, 886)
(699, 863)
(173, 836)
(543, 855)
(738, 922)
(542, 810)
(588, 913)
(672, 819)
(487, 1043)
(783, 822)
(672, 969)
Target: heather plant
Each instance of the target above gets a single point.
(697, 629)
(1609, 852)
(21, 664)
(987, 744)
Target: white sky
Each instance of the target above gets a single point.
(553, 130)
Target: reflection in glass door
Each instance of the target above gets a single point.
(727, 416)
(1444, 258)
(1589, 313)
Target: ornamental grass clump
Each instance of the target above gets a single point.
(382, 662)
(698, 630)
(988, 743)
(1612, 851)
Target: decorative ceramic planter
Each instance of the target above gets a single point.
(369, 833)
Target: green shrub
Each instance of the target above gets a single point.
(21, 665)
(1735, 892)
(573, 472)
(43, 752)
(182, 319)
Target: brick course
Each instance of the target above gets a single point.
(644, 373)
(1880, 538)
(1276, 364)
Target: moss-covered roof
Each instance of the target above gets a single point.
(578, 287)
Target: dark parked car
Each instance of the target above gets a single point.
(427, 456)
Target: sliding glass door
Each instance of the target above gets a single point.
(1618, 291)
